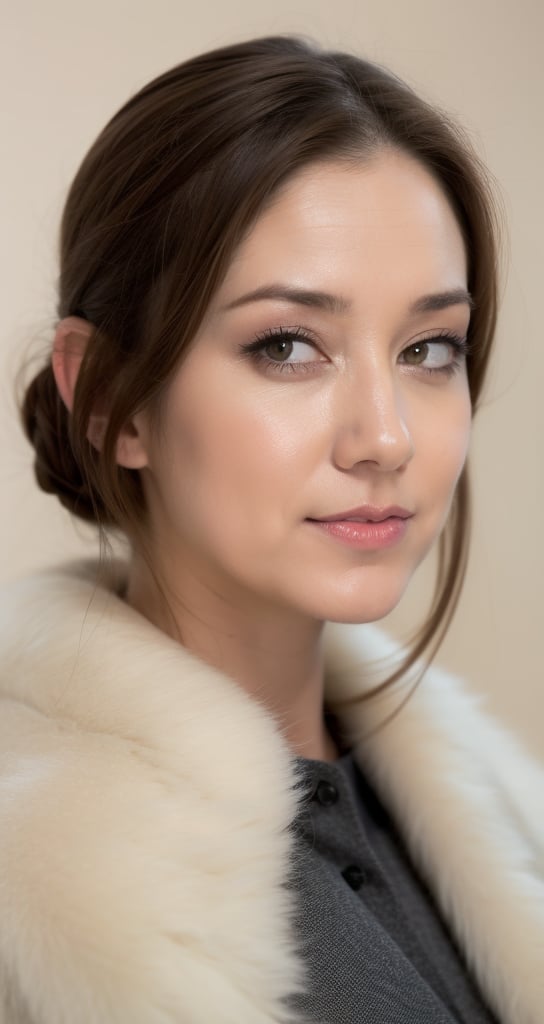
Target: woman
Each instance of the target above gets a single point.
(277, 304)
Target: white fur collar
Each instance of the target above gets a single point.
(144, 805)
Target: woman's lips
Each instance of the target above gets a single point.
(375, 513)
(368, 536)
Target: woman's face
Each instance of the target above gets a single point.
(350, 290)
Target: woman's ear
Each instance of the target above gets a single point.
(71, 339)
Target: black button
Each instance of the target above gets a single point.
(326, 794)
(355, 876)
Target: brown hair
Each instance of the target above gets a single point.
(153, 217)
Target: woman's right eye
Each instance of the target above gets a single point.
(282, 345)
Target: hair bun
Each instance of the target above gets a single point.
(46, 422)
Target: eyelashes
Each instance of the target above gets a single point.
(434, 345)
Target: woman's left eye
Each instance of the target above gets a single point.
(436, 355)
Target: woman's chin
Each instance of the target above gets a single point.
(364, 614)
(364, 593)
(357, 608)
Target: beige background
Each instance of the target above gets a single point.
(67, 66)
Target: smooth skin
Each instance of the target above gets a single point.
(246, 453)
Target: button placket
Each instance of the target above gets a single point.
(325, 793)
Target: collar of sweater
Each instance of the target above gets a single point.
(145, 801)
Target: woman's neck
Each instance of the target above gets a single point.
(274, 657)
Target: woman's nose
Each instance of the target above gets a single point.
(372, 424)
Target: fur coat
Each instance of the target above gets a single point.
(145, 801)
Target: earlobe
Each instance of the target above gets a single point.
(130, 450)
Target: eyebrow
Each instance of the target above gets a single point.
(336, 304)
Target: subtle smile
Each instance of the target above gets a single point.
(366, 535)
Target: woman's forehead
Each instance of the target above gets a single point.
(337, 227)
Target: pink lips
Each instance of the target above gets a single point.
(367, 528)
(367, 513)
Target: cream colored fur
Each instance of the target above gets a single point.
(144, 809)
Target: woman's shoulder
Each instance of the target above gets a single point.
(446, 768)
(126, 821)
